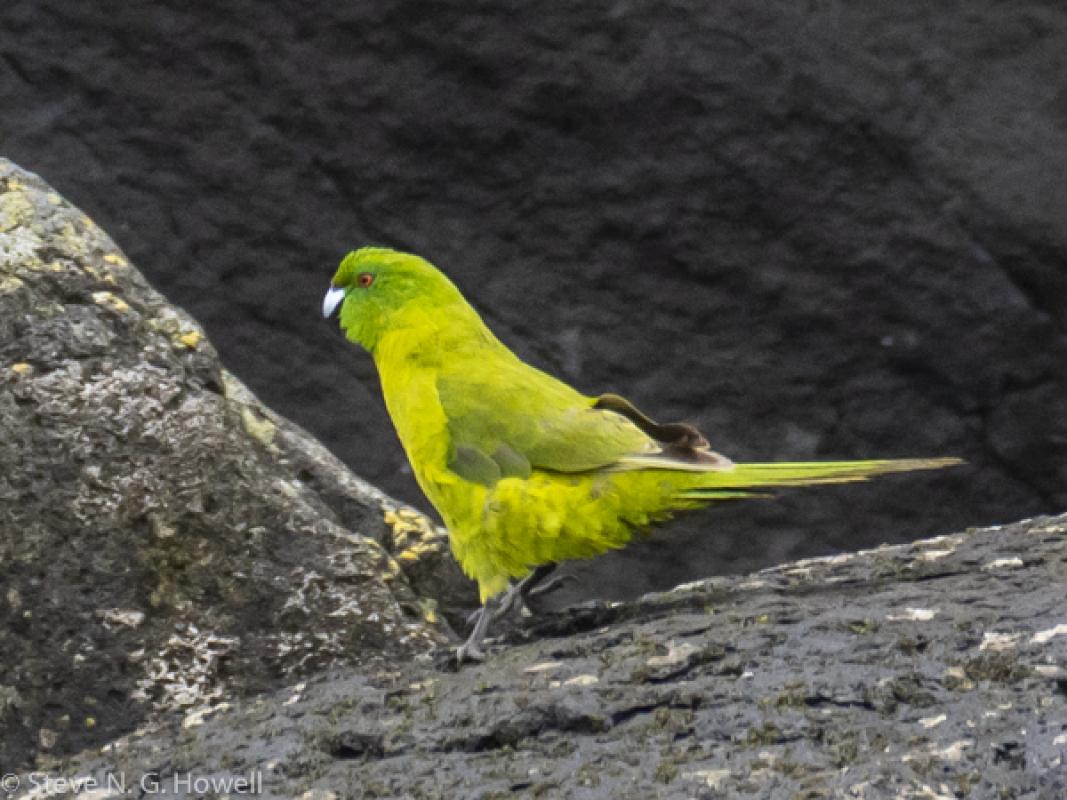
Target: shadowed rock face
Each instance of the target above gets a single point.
(930, 670)
(814, 230)
(165, 540)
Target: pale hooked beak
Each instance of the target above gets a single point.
(332, 301)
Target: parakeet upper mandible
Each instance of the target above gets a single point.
(525, 470)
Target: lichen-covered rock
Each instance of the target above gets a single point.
(166, 542)
(932, 670)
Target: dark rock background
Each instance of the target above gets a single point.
(816, 231)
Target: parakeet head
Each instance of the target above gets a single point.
(376, 289)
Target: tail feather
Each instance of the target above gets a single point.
(731, 483)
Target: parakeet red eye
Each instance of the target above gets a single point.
(365, 279)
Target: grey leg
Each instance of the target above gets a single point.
(546, 587)
(529, 585)
(471, 650)
(515, 596)
(520, 591)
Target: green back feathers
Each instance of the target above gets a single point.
(504, 403)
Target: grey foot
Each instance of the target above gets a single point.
(468, 652)
(510, 602)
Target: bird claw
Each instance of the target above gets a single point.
(469, 652)
(495, 609)
(451, 659)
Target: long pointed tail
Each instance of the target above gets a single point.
(738, 481)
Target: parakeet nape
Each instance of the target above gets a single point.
(524, 470)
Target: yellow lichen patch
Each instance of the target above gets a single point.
(418, 550)
(390, 569)
(428, 607)
(260, 429)
(190, 339)
(54, 198)
(165, 324)
(116, 259)
(15, 208)
(411, 530)
(112, 301)
(73, 237)
(10, 285)
(21, 368)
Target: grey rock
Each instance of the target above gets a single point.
(166, 541)
(931, 670)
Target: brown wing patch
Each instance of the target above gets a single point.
(679, 440)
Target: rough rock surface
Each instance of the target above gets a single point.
(933, 670)
(166, 541)
(814, 229)
(192, 589)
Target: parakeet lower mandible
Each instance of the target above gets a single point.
(525, 470)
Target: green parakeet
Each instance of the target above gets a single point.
(525, 470)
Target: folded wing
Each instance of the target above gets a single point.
(506, 422)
